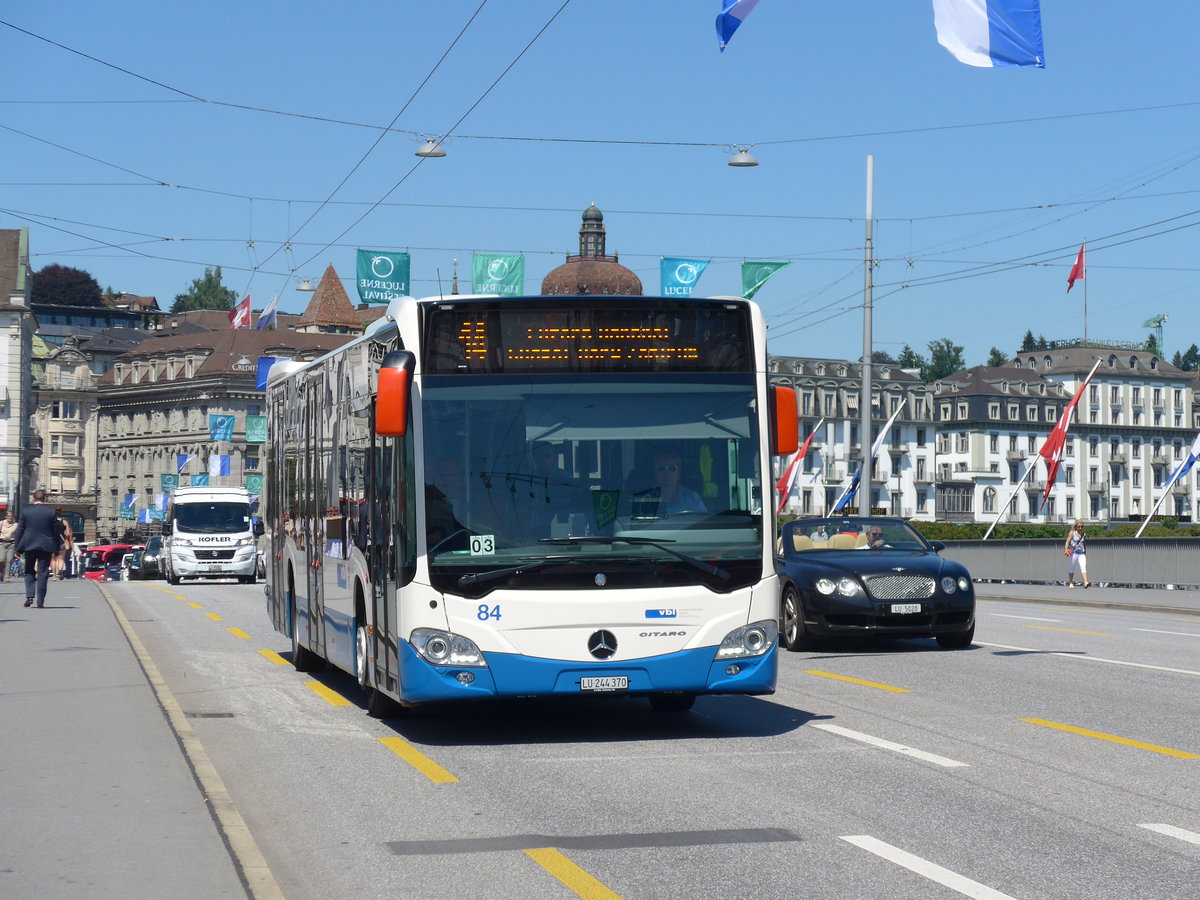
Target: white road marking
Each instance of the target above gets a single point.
(1171, 831)
(924, 867)
(1031, 618)
(1099, 659)
(1156, 631)
(888, 745)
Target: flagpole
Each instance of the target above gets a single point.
(864, 498)
(1085, 284)
(1029, 467)
(1166, 490)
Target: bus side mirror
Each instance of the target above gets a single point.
(391, 397)
(166, 526)
(785, 421)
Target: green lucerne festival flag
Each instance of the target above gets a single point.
(200, 480)
(755, 275)
(169, 482)
(220, 427)
(254, 484)
(498, 273)
(382, 275)
(256, 429)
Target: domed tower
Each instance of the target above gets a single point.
(591, 272)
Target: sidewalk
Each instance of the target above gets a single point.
(98, 798)
(1143, 599)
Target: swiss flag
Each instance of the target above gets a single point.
(1052, 450)
(239, 316)
(1077, 269)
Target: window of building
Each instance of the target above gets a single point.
(64, 409)
(920, 437)
(1137, 417)
(1136, 477)
(993, 409)
(943, 443)
(1012, 443)
(1014, 411)
(962, 441)
(1156, 397)
(994, 443)
(1032, 442)
(1093, 445)
(1177, 398)
(1137, 396)
(920, 468)
(1068, 474)
(250, 463)
(1070, 510)
(1094, 393)
(989, 500)
(1114, 395)
(1051, 412)
(962, 410)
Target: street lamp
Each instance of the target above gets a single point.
(742, 159)
(431, 149)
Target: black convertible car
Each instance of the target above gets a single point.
(870, 577)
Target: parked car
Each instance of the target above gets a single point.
(855, 576)
(148, 566)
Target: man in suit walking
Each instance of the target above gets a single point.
(38, 537)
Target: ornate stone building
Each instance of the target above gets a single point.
(591, 271)
(18, 444)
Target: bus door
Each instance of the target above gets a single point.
(381, 501)
(314, 527)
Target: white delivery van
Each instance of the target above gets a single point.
(209, 534)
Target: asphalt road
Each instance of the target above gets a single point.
(1057, 758)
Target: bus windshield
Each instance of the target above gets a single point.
(212, 518)
(543, 468)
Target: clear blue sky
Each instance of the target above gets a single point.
(631, 106)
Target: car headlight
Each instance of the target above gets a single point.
(948, 585)
(444, 648)
(848, 587)
(754, 639)
(825, 586)
(181, 542)
(244, 542)
(964, 583)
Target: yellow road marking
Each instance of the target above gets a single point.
(418, 760)
(274, 657)
(1128, 742)
(215, 617)
(329, 695)
(570, 874)
(1090, 612)
(873, 684)
(195, 606)
(1069, 630)
(237, 632)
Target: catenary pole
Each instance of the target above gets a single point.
(864, 481)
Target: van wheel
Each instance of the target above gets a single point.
(171, 579)
(303, 659)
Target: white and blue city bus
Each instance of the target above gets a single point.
(485, 497)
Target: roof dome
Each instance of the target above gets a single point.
(591, 271)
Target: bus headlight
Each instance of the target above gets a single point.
(754, 639)
(444, 648)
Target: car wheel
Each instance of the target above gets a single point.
(959, 641)
(672, 702)
(171, 579)
(795, 635)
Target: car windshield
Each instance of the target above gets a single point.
(522, 468)
(851, 533)
(212, 518)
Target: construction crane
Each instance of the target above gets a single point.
(1156, 322)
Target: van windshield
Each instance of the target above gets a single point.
(213, 518)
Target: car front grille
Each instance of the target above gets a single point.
(206, 554)
(900, 587)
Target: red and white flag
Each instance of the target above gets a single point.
(1052, 449)
(784, 484)
(1077, 272)
(239, 316)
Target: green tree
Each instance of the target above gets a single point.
(1042, 343)
(1029, 342)
(1152, 344)
(910, 359)
(1189, 360)
(882, 357)
(997, 357)
(945, 358)
(65, 286)
(205, 292)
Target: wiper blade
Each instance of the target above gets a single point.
(493, 574)
(707, 568)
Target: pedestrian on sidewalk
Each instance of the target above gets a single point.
(38, 537)
(1075, 549)
(58, 562)
(8, 528)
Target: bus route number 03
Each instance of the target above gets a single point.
(483, 544)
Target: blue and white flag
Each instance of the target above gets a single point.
(991, 33)
(679, 276)
(852, 487)
(218, 464)
(143, 517)
(733, 13)
(181, 461)
(1181, 471)
(266, 318)
(160, 501)
(264, 368)
(129, 501)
